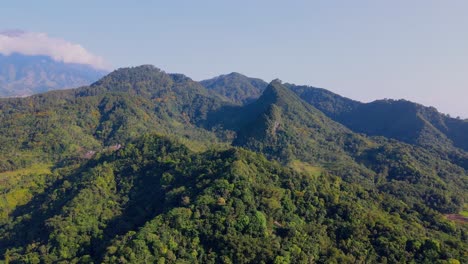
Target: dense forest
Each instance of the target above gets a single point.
(149, 167)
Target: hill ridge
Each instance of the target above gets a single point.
(200, 179)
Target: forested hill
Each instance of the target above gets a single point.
(121, 106)
(236, 87)
(283, 127)
(156, 201)
(399, 119)
(149, 167)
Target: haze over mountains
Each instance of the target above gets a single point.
(22, 75)
(145, 166)
(101, 162)
(33, 63)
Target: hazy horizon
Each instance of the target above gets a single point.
(364, 50)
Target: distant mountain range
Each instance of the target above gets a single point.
(144, 166)
(23, 75)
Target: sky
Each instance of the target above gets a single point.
(361, 49)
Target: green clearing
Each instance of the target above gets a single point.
(306, 168)
(464, 212)
(18, 187)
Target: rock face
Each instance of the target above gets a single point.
(22, 75)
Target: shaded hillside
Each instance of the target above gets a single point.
(281, 125)
(409, 122)
(122, 105)
(235, 87)
(285, 128)
(399, 119)
(22, 75)
(328, 102)
(155, 201)
(87, 177)
(64, 126)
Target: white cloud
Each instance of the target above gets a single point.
(34, 43)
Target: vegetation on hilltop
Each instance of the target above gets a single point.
(399, 119)
(236, 88)
(88, 176)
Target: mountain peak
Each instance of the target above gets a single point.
(235, 74)
(131, 72)
(236, 87)
(277, 93)
(127, 79)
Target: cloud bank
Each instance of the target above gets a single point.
(34, 43)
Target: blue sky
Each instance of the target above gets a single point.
(364, 50)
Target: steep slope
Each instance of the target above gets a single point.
(93, 189)
(285, 128)
(175, 95)
(68, 126)
(22, 75)
(282, 125)
(121, 106)
(399, 119)
(236, 88)
(329, 103)
(409, 122)
(154, 201)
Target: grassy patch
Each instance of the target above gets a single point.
(306, 168)
(18, 187)
(464, 212)
(8, 178)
